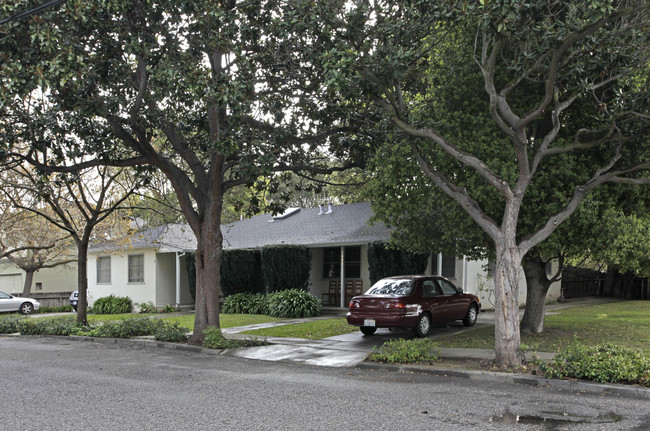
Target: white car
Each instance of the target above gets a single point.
(15, 303)
(74, 299)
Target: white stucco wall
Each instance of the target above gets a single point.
(482, 285)
(119, 285)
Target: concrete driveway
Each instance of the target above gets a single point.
(345, 350)
(348, 350)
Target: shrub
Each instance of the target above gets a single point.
(113, 305)
(293, 304)
(286, 267)
(259, 304)
(9, 323)
(239, 303)
(171, 332)
(50, 326)
(167, 309)
(147, 307)
(605, 364)
(126, 328)
(214, 339)
(246, 303)
(385, 261)
(400, 351)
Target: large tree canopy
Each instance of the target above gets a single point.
(213, 94)
(538, 65)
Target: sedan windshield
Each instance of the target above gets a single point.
(392, 287)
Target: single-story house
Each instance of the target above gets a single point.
(50, 286)
(151, 267)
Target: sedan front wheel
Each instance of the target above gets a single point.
(423, 326)
(472, 314)
(26, 308)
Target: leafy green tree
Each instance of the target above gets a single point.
(212, 94)
(538, 64)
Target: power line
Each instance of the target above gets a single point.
(27, 13)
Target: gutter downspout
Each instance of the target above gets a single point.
(464, 286)
(178, 278)
(343, 305)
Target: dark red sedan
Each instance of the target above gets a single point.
(412, 301)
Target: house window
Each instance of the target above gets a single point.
(332, 262)
(39, 286)
(136, 268)
(448, 266)
(103, 269)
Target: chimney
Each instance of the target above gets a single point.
(329, 208)
(320, 209)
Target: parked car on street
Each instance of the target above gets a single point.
(74, 299)
(412, 301)
(10, 303)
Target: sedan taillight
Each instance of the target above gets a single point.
(355, 304)
(394, 306)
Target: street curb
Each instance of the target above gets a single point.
(474, 375)
(496, 377)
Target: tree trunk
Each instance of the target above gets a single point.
(537, 285)
(623, 285)
(607, 286)
(29, 278)
(506, 281)
(208, 271)
(82, 281)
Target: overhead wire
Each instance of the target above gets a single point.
(37, 9)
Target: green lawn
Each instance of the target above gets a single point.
(226, 320)
(623, 323)
(314, 330)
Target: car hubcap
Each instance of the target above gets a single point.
(472, 314)
(424, 325)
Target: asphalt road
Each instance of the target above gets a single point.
(61, 384)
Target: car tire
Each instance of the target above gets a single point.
(423, 326)
(472, 315)
(368, 330)
(26, 308)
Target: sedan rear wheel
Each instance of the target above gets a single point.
(26, 308)
(368, 330)
(472, 314)
(423, 326)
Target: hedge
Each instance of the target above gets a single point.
(386, 261)
(286, 267)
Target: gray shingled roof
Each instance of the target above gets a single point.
(346, 225)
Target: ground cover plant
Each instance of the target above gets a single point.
(607, 363)
(9, 323)
(401, 351)
(214, 339)
(120, 328)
